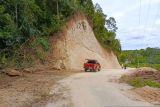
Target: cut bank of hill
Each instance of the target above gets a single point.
(28, 27)
(76, 42)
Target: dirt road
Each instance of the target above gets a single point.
(98, 89)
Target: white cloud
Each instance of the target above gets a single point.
(134, 7)
(132, 33)
(142, 28)
(157, 22)
(118, 15)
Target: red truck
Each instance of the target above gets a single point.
(92, 65)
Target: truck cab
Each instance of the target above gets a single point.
(92, 65)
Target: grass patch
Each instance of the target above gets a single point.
(139, 82)
(155, 66)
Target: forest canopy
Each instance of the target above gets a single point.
(140, 58)
(21, 20)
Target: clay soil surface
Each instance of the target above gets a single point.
(147, 93)
(30, 89)
(97, 89)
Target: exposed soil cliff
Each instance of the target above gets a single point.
(75, 43)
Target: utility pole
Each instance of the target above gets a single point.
(137, 58)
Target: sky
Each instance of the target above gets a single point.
(138, 21)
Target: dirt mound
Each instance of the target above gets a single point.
(75, 43)
(146, 80)
(147, 69)
(146, 73)
(149, 94)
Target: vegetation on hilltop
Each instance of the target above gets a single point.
(105, 35)
(30, 23)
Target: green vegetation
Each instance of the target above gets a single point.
(149, 57)
(25, 25)
(139, 82)
(106, 36)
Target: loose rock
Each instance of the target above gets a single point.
(11, 72)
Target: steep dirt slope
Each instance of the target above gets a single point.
(75, 43)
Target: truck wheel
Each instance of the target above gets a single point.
(95, 70)
(92, 70)
(85, 70)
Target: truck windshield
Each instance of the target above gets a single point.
(92, 61)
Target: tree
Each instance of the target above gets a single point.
(106, 36)
(21, 20)
(98, 8)
(111, 24)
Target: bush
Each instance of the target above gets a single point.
(43, 42)
(139, 82)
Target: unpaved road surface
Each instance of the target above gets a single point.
(31, 89)
(100, 89)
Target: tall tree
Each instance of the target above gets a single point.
(111, 24)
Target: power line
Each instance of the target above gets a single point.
(140, 6)
(145, 26)
(154, 19)
(140, 12)
(146, 22)
(156, 16)
(139, 22)
(148, 11)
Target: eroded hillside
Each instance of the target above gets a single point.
(75, 43)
